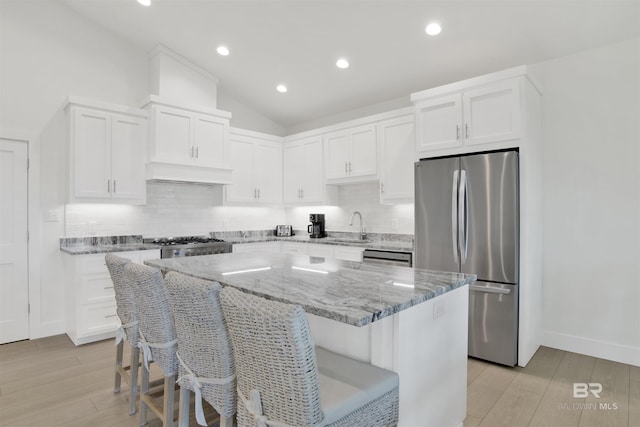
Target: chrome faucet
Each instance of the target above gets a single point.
(363, 233)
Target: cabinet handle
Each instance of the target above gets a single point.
(197, 149)
(457, 132)
(466, 130)
(258, 193)
(349, 168)
(302, 191)
(114, 185)
(108, 186)
(382, 187)
(299, 193)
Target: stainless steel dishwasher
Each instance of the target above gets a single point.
(385, 257)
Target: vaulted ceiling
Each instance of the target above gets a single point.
(298, 42)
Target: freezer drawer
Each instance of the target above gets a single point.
(493, 322)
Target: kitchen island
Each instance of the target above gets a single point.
(411, 321)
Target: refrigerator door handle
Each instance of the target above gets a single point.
(454, 214)
(489, 289)
(463, 217)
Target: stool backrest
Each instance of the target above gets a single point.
(125, 301)
(204, 345)
(275, 355)
(154, 314)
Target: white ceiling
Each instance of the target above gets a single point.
(298, 43)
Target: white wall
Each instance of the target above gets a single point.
(591, 181)
(172, 209)
(395, 219)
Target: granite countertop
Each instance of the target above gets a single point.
(350, 292)
(101, 245)
(368, 244)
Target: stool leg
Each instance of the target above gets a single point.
(118, 377)
(169, 389)
(226, 421)
(183, 414)
(133, 374)
(144, 389)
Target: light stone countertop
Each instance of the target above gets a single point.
(350, 292)
(368, 244)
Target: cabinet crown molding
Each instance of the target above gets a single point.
(159, 100)
(521, 70)
(105, 106)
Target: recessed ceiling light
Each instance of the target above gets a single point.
(281, 88)
(145, 2)
(342, 63)
(222, 50)
(433, 29)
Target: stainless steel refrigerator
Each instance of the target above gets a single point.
(467, 220)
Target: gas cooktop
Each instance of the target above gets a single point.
(189, 246)
(185, 240)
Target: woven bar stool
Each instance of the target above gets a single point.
(128, 331)
(204, 348)
(157, 339)
(284, 381)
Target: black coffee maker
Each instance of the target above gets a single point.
(316, 228)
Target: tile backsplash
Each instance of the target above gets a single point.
(176, 209)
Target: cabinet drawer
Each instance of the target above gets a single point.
(324, 251)
(97, 318)
(295, 248)
(96, 288)
(348, 254)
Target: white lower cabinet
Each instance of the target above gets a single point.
(270, 247)
(90, 298)
(344, 253)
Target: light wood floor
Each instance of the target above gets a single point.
(50, 382)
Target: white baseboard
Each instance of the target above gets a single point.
(590, 347)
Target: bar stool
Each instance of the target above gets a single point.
(284, 381)
(157, 339)
(128, 331)
(204, 349)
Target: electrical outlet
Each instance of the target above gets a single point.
(52, 215)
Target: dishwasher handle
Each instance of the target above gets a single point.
(490, 289)
(387, 257)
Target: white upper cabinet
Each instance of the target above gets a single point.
(303, 173)
(257, 170)
(107, 147)
(188, 144)
(485, 114)
(351, 154)
(397, 139)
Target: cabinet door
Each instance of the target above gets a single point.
(91, 162)
(172, 133)
(293, 172)
(267, 164)
(491, 113)
(363, 151)
(337, 146)
(128, 144)
(397, 140)
(311, 176)
(242, 158)
(210, 134)
(439, 123)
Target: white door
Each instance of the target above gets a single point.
(14, 285)
(311, 177)
(439, 123)
(337, 146)
(293, 172)
(91, 135)
(268, 173)
(398, 138)
(128, 145)
(209, 140)
(363, 157)
(242, 188)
